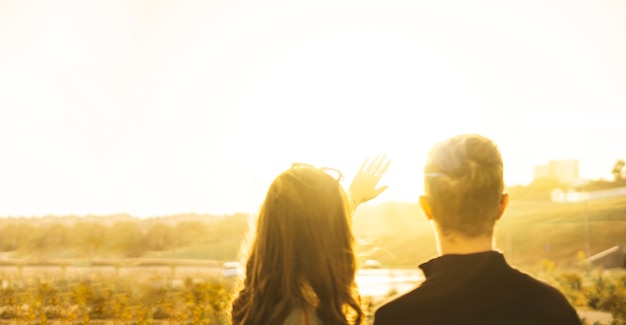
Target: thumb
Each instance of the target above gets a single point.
(380, 190)
(375, 194)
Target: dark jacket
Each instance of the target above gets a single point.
(477, 288)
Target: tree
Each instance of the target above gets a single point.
(126, 239)
(89, 238)
(618, 170)
(160, 237)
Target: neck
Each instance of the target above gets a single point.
(459, 244)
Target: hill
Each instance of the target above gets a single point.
(397, 234)
(394, 233)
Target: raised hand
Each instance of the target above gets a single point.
(364, 185)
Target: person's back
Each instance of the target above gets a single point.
(301, 265)
(302, 316)
(477, 288)
(470, 282)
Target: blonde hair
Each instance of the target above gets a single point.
(463, 182)
(302, 254)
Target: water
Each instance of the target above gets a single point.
(379, 283)
(375, 283)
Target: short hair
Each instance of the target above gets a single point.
(463, 182)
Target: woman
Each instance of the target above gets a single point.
(301, 265)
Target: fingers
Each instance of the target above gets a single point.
(377, 163)
(383, 169)
(375, 166)
(363, 165)
(370, 167)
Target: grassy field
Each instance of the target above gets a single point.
(545, 239)
(398, 235)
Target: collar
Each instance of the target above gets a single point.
(464, 263)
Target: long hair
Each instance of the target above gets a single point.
(302, 254)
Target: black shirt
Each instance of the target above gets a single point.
(477, 288)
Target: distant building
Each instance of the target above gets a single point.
(566, 171)
(541, 171)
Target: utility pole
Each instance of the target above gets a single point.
(587, 242)
(585, 197)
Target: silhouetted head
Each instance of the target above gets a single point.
(463, 186)
(302, 253)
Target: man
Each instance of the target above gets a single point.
(470, 282)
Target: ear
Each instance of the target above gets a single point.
(426, 207)
(503, 203)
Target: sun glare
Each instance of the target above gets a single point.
(156, 108)
(139, 138)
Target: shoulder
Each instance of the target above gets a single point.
(547, 299)
(300, 316)
(399, 307)
(536, 287)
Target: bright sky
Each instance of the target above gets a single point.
(153, 107)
